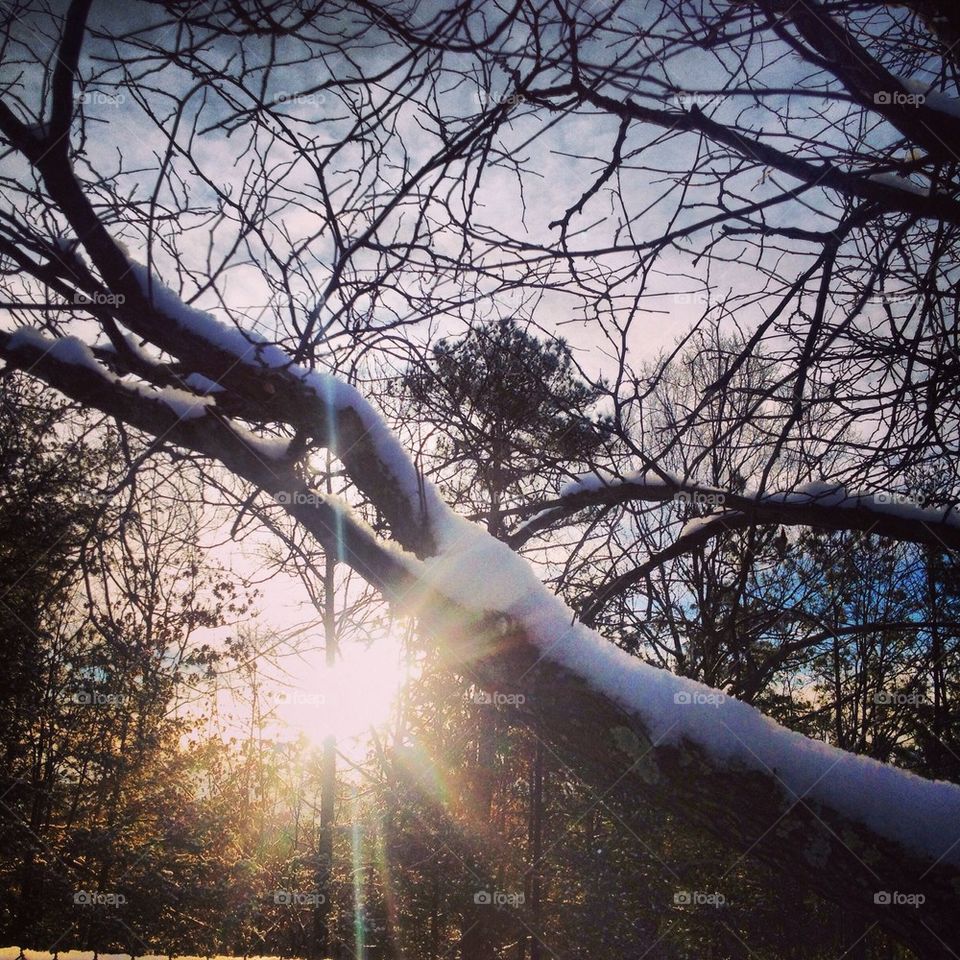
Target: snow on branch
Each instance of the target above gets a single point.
(225, 358)
(482, 573)
(817, 504)
(256, 372)
(71, 363)
(176, 417)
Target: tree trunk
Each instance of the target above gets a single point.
(535, 840)
(328, 782)
(477, 941)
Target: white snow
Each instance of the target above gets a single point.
(481, 573)
(245, 345)
(252, 348)
(133, 345)
(70, 350)
(267, 448)
(66, 244)
(825, 494)
(536, 518)
(595, 480)
(900, 183)
(600, 479)
(29, 336)
(202, 384)
(648, 478)
(695, 524)
(65, 349)
(342, 396)
(943, 103)
(186, 405)
(816, 492)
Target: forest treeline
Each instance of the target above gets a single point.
(131, 821)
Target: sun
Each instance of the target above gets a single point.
(344, 701)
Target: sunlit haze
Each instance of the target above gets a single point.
(345, 700)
